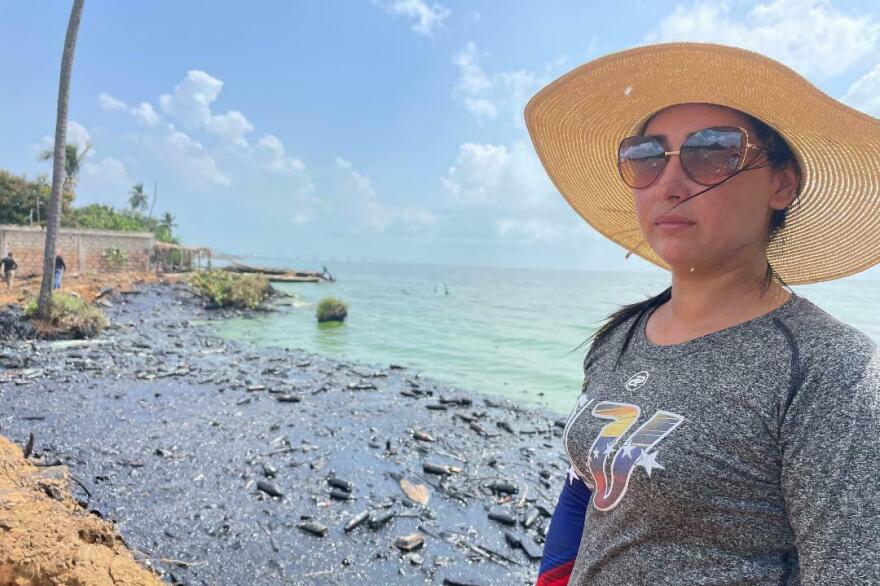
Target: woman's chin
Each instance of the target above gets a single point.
(679, 261)
(675, 253)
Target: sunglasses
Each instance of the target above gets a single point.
(709, 156)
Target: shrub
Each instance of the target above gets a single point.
(226, 289)
(331, 309)
(102, 217)
(115, 258)
(73, 314)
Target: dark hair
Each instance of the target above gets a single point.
(778, 154)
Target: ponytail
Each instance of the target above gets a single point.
(624, 313)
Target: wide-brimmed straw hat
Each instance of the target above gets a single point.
(577, 122)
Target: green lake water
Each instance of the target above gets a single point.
(508, 332)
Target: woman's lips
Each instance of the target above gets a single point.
(673, 223)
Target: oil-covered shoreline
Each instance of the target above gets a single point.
(223, 463)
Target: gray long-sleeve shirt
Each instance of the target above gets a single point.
(747, 456)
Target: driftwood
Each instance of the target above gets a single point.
(293, 278)
(282, 275)
(237, 267)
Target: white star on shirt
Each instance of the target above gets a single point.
(572, 475)
(607, 449)
(596, 453)
(627, 450)
(649, 462)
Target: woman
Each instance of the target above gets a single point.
(728, 430)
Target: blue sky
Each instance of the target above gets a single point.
(385, 129)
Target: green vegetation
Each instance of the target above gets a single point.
(72, 163)
(138, 199)
(331, 309)
(226, 289)
(25, 202)
(115, 258)
(100, 217)
(71, 313)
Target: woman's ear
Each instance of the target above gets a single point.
(785, 184)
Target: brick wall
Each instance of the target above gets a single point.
(84, 251)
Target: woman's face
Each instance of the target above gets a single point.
(728, 224)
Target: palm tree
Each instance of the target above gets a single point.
(138, 199)
(167, 221)
(72, 162)
(58, 166)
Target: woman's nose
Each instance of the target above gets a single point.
(673, 182)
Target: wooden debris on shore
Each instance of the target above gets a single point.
(282, 275)
(416, 492)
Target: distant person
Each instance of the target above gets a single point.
(60, 267)
(8, 265)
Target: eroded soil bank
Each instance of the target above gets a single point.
(47, 538)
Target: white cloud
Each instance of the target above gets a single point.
(192, 98)
(864, 93)
(111, 104)
(231, 126)
(357, 199)
(277, 160)
(427, 19)
(104, 180)
(502, 190)
(109, 169)
(78, 135)
(486, 95)
(262, 174)
(810, 36)
(145, 114)
(358, 190)
(190, 159)
(477, 174)
(497, 175)
(191, 104)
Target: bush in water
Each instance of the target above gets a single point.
(331, 309)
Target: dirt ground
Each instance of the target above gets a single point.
(47, 538)
(86, 286)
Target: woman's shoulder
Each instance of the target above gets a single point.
(824, 342)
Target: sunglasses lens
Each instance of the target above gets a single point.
(640, 160)
(712, 155)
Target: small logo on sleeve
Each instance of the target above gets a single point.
(637, 380)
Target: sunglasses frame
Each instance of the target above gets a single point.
(666, 154)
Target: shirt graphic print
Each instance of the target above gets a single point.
(615, 454)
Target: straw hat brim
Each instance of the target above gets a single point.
(577, 122)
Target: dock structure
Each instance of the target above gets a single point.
(177, 258)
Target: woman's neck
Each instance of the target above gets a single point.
(703, 303)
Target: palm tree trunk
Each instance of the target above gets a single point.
(58, 174)
(155, 194)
